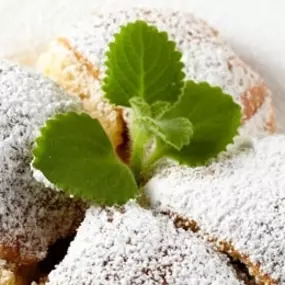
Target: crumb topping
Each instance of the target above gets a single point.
(31, 216)
(239, 198)
(134, 246)
(205, 55)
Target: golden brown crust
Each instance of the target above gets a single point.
(254, 269)
(224, 247)
(12, 254)
(92, 70)
(252, 100)
(254, 97)
(81, 80)
(186, 224)
(271, 125)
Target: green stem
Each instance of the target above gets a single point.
(136, 159)
(139, 139)
(157, 154)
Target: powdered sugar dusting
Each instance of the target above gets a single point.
(206, 56)
(133, 246)
(32, 217)
(239, 198)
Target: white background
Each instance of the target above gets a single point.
(255, 28)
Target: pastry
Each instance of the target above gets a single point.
(32, 217)
(131, 245)
(238, 202)
(75, 60)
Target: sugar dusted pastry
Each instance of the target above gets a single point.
(237, 201)
(76, 61)
(169, 116)
(131, 245)
(32, 217)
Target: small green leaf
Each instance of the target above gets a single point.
(75, 154)
(142, 62)
(140, 107)
(215, 118)
(159, 108)
(175, 132)
(139, 135)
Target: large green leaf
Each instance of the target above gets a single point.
(74, 153)
(215, 118)
(142, 62)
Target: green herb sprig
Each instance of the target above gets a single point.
(183, 120)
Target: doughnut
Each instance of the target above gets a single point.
(132, 245)
(32, 217)
(76, 59)
(237, 202)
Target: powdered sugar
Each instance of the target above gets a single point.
(32, 217)
(133, 246)
(239, 198)
(206, 56)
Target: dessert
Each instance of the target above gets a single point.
(169, 116)
(76, 61)
(32, 217)
(237, 201)
(131, 245)
(187, 107)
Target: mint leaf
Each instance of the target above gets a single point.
(175, 132)
(139, 135)
(75, 154)
(159, 108)
(215, 118)
(140, 107)
(142, 62)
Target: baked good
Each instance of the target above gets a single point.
(238, 202)
(32, 217)
(76, 61)
(131, 245)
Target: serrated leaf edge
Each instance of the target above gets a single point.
(177, 54)
(206, 162)
(77, 193)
